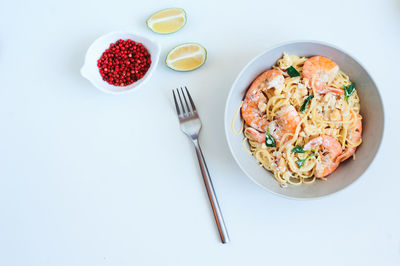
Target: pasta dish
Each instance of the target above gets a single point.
(301, 119)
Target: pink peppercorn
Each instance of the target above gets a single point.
(124, 62)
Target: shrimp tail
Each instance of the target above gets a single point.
(255, 135)
(346, 154)
(333, 90)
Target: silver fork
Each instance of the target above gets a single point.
(190, 125)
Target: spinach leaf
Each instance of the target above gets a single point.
(300, 163)
(292, 72)
(269, 140)
(298, 149)
(348, 91)
(305, 104)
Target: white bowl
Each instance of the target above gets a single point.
(90, 70)
(371, 110)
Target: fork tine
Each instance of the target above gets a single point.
(187, 105)
(191, 100)
(182, 106)
(176, 104)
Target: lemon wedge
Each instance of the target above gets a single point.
(167, 21)
(186, 57)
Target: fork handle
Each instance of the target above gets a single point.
(223, 232)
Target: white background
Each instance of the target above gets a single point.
(88, 178)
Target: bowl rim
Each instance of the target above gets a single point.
(228, 99)
(155, 60)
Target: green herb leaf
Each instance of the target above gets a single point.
(348, 91)
(300, 163)
(305, 104)
(269, 140)
(292, 72)
(298, 149)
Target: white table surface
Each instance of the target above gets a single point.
(87, 179)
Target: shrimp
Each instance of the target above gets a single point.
(252, 114)
(331, 150)
(273, 79)
(354, 137)
(255, 135)
(322, 70)
(286, 122)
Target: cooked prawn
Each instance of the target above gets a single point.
(321, 71)
(286, 122)
(255, 135)
(354, 137)
(253, 108)
(331, 149)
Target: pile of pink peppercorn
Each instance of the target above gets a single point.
(124, 62)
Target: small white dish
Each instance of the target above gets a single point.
(91, 72)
